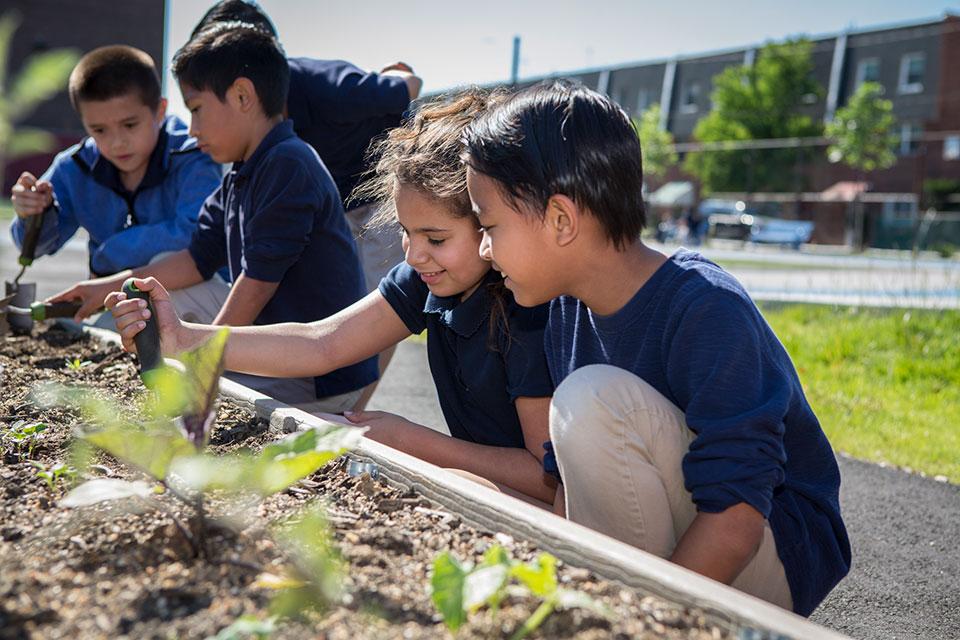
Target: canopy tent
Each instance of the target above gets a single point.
(673, 194)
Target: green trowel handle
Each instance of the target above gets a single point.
(40, 311)
(148, 340)
(31, 235)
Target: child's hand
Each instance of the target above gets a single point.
(90, 294)
(385, 428)
(130, 316)
(31, 197)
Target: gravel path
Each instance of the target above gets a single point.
(904, 530)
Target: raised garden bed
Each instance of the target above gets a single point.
(113, 571)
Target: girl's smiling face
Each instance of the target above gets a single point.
(443, 248)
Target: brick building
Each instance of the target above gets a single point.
(916, 63)
(82, 25)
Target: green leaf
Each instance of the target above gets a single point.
(447, 588)
(483, 586)
(300, 454)
(103, 489)
(540, 576)
(44, 75)
(202, 369)
(151, 450)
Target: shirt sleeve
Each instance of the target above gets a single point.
(195, 179)
(344, 93)
(525, 359)
(286, 203)
(407, 294)
(720, 367)
(208, 245)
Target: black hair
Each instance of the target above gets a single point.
(230, 50)
(235, 11)
(108, 72)
(562, 138)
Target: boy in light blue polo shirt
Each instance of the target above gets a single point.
(135, 184)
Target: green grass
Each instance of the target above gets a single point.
(6, 209)
(885, 384)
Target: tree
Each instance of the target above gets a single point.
(862, 131)
(42, 77)
(655, 143)
(757, 102)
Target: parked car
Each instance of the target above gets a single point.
(792, 233)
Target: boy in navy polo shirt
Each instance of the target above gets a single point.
(678, 422)
(339, 109)
(135, 184)
(276, 221)
(486, 352)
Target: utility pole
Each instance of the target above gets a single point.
(515, 67)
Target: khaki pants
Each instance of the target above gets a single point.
(619, 444)
(379, 247)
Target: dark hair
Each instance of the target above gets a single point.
(230, 50)
(235, 11)
(116, 70)
(562, 138)
(423, 153)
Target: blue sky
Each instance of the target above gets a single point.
(454, 43)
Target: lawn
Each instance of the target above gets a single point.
(885, 384)
(6, 209)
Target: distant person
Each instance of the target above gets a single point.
(135, 184)
(276, 220)
(486, 352)
(678, 422)
(338, 109)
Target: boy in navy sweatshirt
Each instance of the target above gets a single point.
(679, 423)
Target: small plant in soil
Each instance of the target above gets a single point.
(24, 435)
(76, 364)
(52, 475)
(168, 446)
(459, 589)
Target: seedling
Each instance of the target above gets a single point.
(170, 450)
(22, 434)
(76, 364)
(246, 628)
(56, 473)
(459, 589)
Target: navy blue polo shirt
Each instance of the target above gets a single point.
(478, 377)
(338, 108)
(277, 217)
(694, 334)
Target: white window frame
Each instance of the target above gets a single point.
(862, 71)
(907, 137)
(690, 107)
(643, 99)
(912, 87)
(951, 147)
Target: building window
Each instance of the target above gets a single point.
(899, 212)
(912, 67)
(868, 70)
(690, 97)
(910, 133)
(951, 148)
(643, 100)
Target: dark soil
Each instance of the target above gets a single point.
(113, 571)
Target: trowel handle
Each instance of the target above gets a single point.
(40, 311)
(31, 235)
(148, 340)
